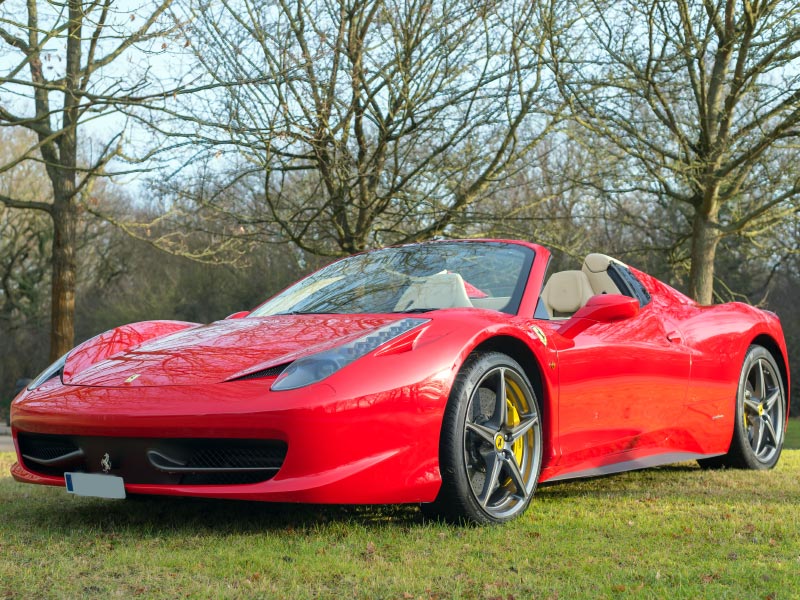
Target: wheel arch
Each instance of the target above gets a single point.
(769, 343)
(527, 359)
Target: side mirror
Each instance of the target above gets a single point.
(238, 315)
(607, 308)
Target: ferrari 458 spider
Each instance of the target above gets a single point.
(453, 374)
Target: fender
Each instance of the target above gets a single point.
(117, 340)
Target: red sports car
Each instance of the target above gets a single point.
(454, 374)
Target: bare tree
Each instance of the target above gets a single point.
(700, 100)
(25, 239)
(63, 65)
(375, 120)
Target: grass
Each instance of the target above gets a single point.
(673, 532)
(792, 439)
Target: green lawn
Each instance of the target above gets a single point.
(673, 532)
(792, 440)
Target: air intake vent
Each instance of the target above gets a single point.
(211, 461)
(51, 454)
(46, 448)
(271, 372)
(220, 462)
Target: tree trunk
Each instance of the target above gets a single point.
(62, 316)
(705, 238)
(65, 213)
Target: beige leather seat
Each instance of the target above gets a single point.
(442, 290)
(565, 292)
(595, 267)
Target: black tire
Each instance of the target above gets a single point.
(490, 452)
(760, 422)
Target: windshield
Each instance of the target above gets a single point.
(415, 278)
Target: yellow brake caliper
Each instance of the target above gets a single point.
(513, 418)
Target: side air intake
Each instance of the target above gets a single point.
(264, 373)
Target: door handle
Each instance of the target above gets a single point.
(675, 337)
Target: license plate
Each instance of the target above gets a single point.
(94, 484)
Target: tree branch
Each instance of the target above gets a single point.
(26, 204)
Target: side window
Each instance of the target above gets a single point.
(541, 311)
(628, 284)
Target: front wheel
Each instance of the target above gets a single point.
(760, 415)
(491, 444)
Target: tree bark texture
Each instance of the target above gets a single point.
(705, 239)
(62, 330)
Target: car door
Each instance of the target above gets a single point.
(622, 389)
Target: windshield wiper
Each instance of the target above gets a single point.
(410, 311)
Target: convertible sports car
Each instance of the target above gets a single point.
(451, 373)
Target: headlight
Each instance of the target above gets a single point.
(48, 373)
(315, 368)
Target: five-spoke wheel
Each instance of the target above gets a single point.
(491, 446)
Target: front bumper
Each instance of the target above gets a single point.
(343, 443)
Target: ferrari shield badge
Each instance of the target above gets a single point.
(540, 334)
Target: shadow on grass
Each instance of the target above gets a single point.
(620, 483)
(59, 513)
(153, 514)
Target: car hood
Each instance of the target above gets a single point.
(224, 350)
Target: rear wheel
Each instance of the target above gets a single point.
(760, 415)
(491, 444)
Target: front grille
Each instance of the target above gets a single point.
(238, 458)
(46, 448)
(156, 461)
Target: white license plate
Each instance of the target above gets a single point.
(94, 484)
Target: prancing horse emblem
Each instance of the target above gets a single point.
(105, 462)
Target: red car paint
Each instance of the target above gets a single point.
(620, 388)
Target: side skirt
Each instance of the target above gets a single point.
(656, 460)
